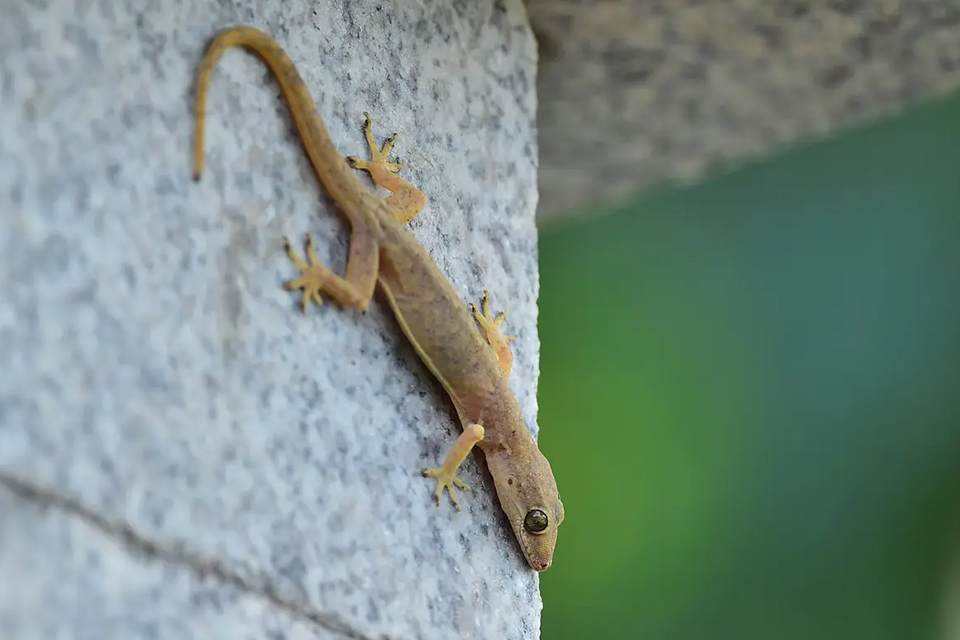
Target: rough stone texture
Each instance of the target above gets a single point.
(633, 92)
(183, 454)
(124, 590)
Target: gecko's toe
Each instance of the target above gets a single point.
(446, 480)
(313, 275)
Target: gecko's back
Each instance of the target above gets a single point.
(441, 329)
(448, 340)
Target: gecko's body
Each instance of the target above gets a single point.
(431, 314)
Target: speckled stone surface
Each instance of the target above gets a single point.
(120, 590)
(210, 459)
(635, 92)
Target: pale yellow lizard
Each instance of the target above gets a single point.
(424, 302)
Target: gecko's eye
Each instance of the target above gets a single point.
(536, 521)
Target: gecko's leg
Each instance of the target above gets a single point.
(446, 474)
(406, 201)
(491, 329)
(354, 290)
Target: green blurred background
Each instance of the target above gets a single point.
(750, 394)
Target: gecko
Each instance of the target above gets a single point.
(472, 362)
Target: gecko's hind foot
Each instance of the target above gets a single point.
(379, 156)
(313, 275)
(446, 480)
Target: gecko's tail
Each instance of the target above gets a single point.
(337, 177)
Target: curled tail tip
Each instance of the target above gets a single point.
(197, 170)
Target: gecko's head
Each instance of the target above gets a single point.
(528, 496)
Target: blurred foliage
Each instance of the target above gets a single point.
(750, 395)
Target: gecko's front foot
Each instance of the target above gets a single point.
(446, 474)
(313, 275)
(446, 479)
(491, 330)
